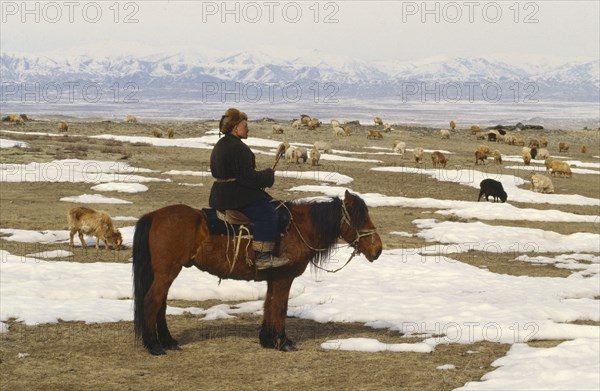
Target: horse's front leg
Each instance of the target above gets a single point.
(272, 333)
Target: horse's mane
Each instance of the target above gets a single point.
(326, 216)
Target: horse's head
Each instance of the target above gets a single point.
(358, 229)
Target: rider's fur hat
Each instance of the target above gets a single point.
(230, 119)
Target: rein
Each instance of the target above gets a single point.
(345, 219)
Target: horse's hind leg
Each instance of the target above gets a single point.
(164, 336)
(154, 302)
(272, 333)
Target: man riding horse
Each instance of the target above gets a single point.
(239, 186)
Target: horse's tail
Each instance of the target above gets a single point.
(142, 271)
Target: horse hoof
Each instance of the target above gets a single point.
(288, 346)
(156, 350)
(171, 345)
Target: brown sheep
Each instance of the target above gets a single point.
(534, 143)
(374, 134)
(497, 156)
(526, 157)
(300, 153)
(484, 148)
(563, 147)
(543, 142)
(583, 148)
(315, 156)
(156, 132)
(418, 154)
(452, 125)
(304, 119)
(438, 158)
(562, 168)
(314, 123)
(131, 119)
(519, 141)
(480, 156)
(62, 126)
(87, 221)
(347, 131)
(475, 129)
(548, 162)
(277, 129)
(170, 133)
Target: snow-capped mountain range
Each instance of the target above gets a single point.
(317, 74)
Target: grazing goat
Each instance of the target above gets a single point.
(277, 129)
(87, 221)
(452, 125)
(374, 134)
(561, 168)
(378, 121)
(584, 148)
(418, 154)
(493, 188)
(131, 119)
(315, 156)
(62, 126)
(438, 159)
(541, 184)
(444, 134)
(563, 147)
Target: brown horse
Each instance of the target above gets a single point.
(176, 236)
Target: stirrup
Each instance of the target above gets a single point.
(272, 261)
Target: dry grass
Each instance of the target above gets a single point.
(225, 354)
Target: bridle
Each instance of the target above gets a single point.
(360, 233)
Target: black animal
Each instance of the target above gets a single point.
(533, 152)
(493, 188)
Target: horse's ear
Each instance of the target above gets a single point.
(348, 199)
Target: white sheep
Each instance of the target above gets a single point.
(541, 184)
(444, 133)
(323, 146)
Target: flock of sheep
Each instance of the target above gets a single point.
(535, 149)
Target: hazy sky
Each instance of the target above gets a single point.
(378, 30)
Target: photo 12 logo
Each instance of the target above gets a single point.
(270, 11)
(469, 11)
(69, 11)
(69, 92)
(469, 91)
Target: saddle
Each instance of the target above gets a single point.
(230, 221)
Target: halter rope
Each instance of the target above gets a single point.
(345, 219)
